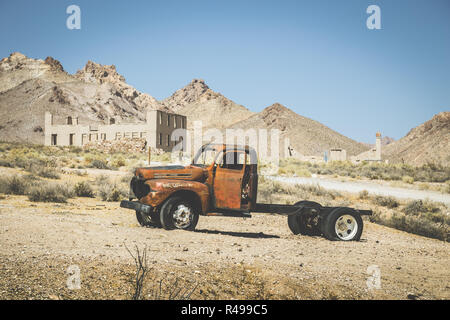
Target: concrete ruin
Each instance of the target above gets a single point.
(374, 154)
(157, 130)
(339, 154)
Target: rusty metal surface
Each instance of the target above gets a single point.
(190, 173)
(161, 189)
(228, 188)
(216, 186)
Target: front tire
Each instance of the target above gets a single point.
(146, 220)
(178, 213)
(343, 224)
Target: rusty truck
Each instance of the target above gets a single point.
(222, 180)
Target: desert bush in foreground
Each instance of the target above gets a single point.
(416, 207)
(420, 225)
(43, 171)
(160, 290)
(50, 192)
(389, 202)
(111, 192)
(424, 218)
(83, 189)
(364, 194)
(15, 184)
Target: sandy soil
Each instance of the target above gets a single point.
(226, 257)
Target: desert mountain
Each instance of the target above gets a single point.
(29, 87)
(307, 137)
(426, 143)
(198, 102)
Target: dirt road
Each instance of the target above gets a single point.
(39, 241)
(371, 187)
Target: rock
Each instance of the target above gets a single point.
(55, 64)
(412, 296)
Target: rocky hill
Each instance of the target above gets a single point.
(29, 87)
(198, 102)
(307, 137)
(426, 143)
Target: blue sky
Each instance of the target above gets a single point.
(315, 57)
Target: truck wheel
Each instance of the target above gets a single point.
(301, 224)
(147, 220)
(178, 213)
(342, 224)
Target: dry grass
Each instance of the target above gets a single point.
(383, 171)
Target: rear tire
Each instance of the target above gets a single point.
(178, 213)
(342, 224)
(300, 224)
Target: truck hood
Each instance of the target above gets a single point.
(174, 172)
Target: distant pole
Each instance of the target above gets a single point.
(149, 155)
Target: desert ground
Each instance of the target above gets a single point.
(59, 213)
(224, 258)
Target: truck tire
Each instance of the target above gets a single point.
(178, 213)
(146, 220)
(299, 223)
(342, 224)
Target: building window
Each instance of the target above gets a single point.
(160, 117)
(143, 134)
(118, 135)
(183, 122)
(135, 135)
(54, 139)
(168, 120)
(112, 121)
(71, 136)
(69, 120)
(168, 140)
(103, 136)
(160, 139)
(84, 138)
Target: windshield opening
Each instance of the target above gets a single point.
(205, 157)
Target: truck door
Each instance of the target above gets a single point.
(228, 179)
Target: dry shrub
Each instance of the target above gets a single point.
(363, 195)
(15, 184)
(111, 192)
(83, 189)
(50, 192)
(389, 202)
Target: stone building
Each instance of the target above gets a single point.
(157, 130)
(374, 154)
(337, 154)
